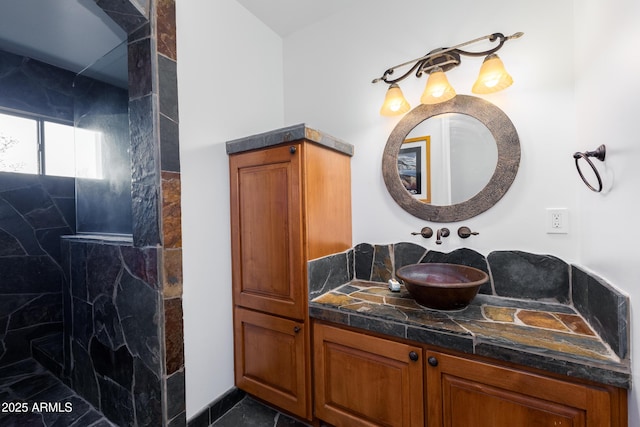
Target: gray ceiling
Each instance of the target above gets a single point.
(70, 34)
(74, 34)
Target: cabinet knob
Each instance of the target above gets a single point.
(292, 149)
(413, 355)
(296, 329)
(432, 361)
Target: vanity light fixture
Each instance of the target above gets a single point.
(493, 76)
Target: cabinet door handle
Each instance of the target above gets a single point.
(432, 361)
(292, 149)
(413, 355)
(296, 329)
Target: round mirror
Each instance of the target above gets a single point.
(451, 161)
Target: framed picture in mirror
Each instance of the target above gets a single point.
(414, 167)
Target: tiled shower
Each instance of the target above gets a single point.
(95, 319)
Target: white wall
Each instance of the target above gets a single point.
(328, 68)
(607, 89)
(230, 86)
(328, 73)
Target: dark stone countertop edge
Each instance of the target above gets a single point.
(618, 375)
(287, 134)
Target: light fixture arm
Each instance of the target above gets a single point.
(445, 58)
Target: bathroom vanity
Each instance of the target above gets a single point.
(364, 378)
(319, 334)
(381, 359)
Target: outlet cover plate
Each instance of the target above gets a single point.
(557, 221)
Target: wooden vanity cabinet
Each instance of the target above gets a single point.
(468, 393)
(362, 380)
(289, 203)
(366, 380)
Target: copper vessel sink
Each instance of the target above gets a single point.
(442, 286)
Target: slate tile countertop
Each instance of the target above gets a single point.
(287, 134)
(563, 334)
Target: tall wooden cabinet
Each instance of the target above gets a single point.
(290, 202)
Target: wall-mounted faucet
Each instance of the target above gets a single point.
(441, 234)
(463, 232)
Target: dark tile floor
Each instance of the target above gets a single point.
(251, 413)
(31, 396)
(26, 383)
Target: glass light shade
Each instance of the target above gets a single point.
(437, 89)
(493, 77)
(394, 102)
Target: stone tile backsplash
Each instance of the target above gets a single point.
(518, 274)
(606, 309)
(513, 274)
(330, 272)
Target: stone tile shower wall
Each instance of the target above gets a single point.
(35, 87)
(112, 331)
(513, 274)
(155, 188)
(34, 212)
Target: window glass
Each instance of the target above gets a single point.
(68, 151)
(59, 156)
(72, 152)
(18, 144)
(88, 154)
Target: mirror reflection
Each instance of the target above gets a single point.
(447, 159)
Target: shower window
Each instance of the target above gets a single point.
(18, 144)
(39, 146)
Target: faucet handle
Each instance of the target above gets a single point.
(465, 232)
(426, 232)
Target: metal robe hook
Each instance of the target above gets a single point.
(599, 153)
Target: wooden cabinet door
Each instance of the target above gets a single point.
(362, 380)
(266, 227)
(270, 360)
(465, 393)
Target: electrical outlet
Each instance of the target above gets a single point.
(557, 221)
